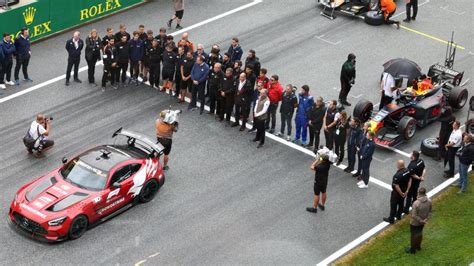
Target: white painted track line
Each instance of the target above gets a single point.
(82, 69)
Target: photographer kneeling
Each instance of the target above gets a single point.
(166, 125)
(36, 140)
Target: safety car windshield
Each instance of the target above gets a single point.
(84, 176)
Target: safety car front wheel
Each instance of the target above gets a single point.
(78, 227)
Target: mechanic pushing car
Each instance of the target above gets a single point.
(166, 125)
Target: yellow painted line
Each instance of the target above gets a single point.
(431, 37)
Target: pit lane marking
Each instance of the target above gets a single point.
(431, 36)
(401, 13)
(84, 68)
(140, 262)
(452, 11)
(320, 37)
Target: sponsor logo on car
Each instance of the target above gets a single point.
(35, 212)
(113, 204)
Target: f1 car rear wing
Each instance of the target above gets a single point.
(155, 149)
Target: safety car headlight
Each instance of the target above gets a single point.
(57, 221)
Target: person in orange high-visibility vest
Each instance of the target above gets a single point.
(388, 8)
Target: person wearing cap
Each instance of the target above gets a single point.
(8, 50)
(321, 173)
(164, 135)
(74, 47)
(23, 55)
(348, 74)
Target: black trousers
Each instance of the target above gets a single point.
(314, 136)
(339, 145)
(220, 107)
(198, 93)
(388, 20)
(229, 106)
(413, 4)
(351, 156)
(22, 62)
(70, 63)
(109, 72)
(345, 89)
(134, 69)
(271, 115)
(91, 69)
(396, 206)
(411, 197)
(6, 71)
(154, 74)
(450, 159)
(212, 99)
(286, 119)
(260, 125)
(121, 67)
(416, 233)
(242, 112)
(329, 135)
(364, 166)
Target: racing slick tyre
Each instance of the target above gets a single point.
(374, 18)
(429, 147)
(407, 127)
(149, 191)
(363, 110)
(78, 227)
(470, 126)
(457, 97)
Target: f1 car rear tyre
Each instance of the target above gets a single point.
(374, 18)
(429, 147)
(457, 97)
(407, 127)
(470, 126)
(149, 191)
(363, 110)
(78, 227)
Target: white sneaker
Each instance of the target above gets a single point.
(363, 186)
(3, 87)
(360, 183)
(11, 83)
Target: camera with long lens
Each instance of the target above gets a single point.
(49, 119)
(170, 116)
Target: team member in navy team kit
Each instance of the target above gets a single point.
(199, 75)
(23, 55)
(186, 84)
(417, 172)
(74, 47)
(153, 59)
(2, 63)
(170, 60)
(93, 44)
(366, 153)
(305, 101)
(362, 141)
(289, 102)
(235, 51)
(8, 50)
(401, 183)
(353, 141)
(136, 56)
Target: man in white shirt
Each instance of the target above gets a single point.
(454, 143)
(39, 130)
(388, 89)
(260, 111)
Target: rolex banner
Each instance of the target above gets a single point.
(46, 17)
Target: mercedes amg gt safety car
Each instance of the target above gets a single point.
(92, 187)
(397, 122)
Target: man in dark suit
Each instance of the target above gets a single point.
(242, 101)
(74, 47)
(366, 152)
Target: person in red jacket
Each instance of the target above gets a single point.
(275, 92)
(388, 8)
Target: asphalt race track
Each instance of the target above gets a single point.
(224, 201)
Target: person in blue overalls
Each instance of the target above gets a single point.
(305, 101)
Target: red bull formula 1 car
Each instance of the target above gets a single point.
(91, 188)
(417, 107)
